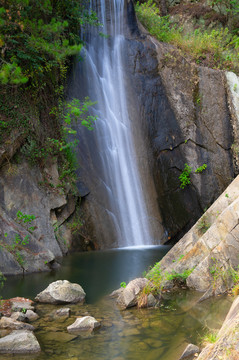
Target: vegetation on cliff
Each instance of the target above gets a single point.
(38, 39)
(208, 32)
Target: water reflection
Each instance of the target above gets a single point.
(149, 334)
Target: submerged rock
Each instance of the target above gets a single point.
(129, 295)
(189, 352)
(60, 292)
(63, 312)
(86, 323)
(19, 342)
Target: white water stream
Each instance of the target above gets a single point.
(103, 74)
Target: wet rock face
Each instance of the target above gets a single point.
(185, 116)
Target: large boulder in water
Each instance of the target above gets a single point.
(129, 296)
(19, 342)
(60, 292)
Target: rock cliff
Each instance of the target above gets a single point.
(36, 239)
(210, 249)
(189, 115)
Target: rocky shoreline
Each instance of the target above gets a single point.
(18, 314)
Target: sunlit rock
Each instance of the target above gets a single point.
(19, 342)
(9, 323)
(210, 249)
(129, 296)
(60, 292)
(86, 323)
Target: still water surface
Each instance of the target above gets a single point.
(149, 334)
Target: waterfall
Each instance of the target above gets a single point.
(109, 150)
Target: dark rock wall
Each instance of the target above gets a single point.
(185, 118)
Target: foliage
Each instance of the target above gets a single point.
(77, 111)
(179, 277)
(235, 290)
(25, 218)
(230, 6)
(158, 26)
(218, 47)
(209, 337)
(123, 284)
(18, 242)
(76, 223)
(234, 274)
(68, 114)
(180, 258)
(201, 168)
(37, 37)
(184, 177)
(158, 278)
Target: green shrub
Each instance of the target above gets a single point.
(123, 284)
(201, 168)
(218, 46)
(184, 177)
(37, 37)
(179, 277)
(158, 26)
(209, 337)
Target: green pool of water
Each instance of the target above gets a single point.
(149, 334)
(99, 273)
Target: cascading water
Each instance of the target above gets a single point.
(110, 146)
